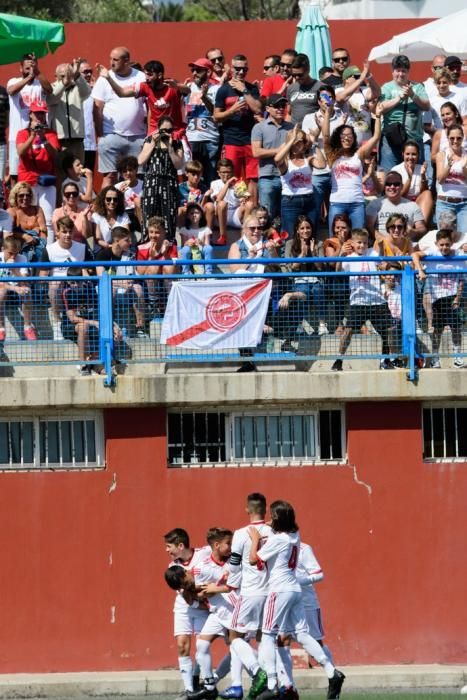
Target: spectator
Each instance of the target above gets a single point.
(196, 240)
(109, 212)
(30, 88)
(156, 248)
(229, 205)
(449, 117)
(76, 173)
(37, 148)
(4, 119)
(119, 123)
(202, 131)
(287, 59)
(454, 65)
(446, 293)
(340, 61)
(303, 289)
(65, 249)
(447, 221)
(266, 138)
(403, 104)
(295, 165)
(6, 221)
(392, 291)
(119, 251)
(273, 80)
(192, 190)
(359, 87)
(395, 241)
(69, 93)
(414, 179)
(371, 180)
(80, 322)
(237, 103)
(451, 175)
(367, 301)
(13, 286)
(345, 159)
(28, 221)
(337, 286)
(437, 64)
(162, 156)
(220, 70)
(380, 210)
(72, 209)
(132, 188)
(302, 94)
(444, 93)
(90, 143)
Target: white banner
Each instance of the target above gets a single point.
(221, 314)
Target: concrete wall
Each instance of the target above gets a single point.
(82, 554)
(178, 43)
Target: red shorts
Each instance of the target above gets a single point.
(245, 166)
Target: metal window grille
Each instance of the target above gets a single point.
(444, 433)
(273, 438)
(52, 442)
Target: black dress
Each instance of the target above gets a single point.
(160, 189)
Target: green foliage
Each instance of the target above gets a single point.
(53, 11)
(168, 12)
(195, 13)
(110, 11)
(244, 9)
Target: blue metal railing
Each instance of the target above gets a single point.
(128, 312)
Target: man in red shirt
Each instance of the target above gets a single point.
(273, 80)
(162, 99)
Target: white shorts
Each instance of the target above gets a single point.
(189, 621)
(315, 625)
(248, 613)
(284, 613)
(215, 626)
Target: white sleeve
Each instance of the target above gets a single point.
(311, 566)
(272, 546)
(99, 91)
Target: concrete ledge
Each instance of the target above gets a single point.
(143, 683)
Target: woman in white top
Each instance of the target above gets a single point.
(346, 162)
(450, 116)
(445, 93)
(451, 174)
(414, 180)
(109, 211)
(295, 164)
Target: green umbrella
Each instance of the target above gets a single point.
(313, 37)
(20, 35)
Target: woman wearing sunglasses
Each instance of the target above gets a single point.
(395, 241)
(109, 211)
(451, 174)
(29, 225)
(77, 212)
(162, 157)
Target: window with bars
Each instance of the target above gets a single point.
(65, 441)
(273, 438)
(445, 433)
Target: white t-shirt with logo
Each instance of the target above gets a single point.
(280, 553)
(365, 290)
(193, 566)
(346, 180)
(253, 579)
(54, 253)
(444, 285)
(130, 193)
(20, 102)
(122, 115)
(13, 272)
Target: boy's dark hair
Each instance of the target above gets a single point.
(275, 59)
(394, 265)
(301, 60)
(322, 71)
(360, 233)
(400, 61)
(217, 534)
(154, 67)
(239, 57)
(65, 222)
(127, 162)
(156, 222)
(177, 536)
(444, 233)
(289, 52)
(256, 503)
(190, 207)
(67, 162)
(326, 88)
(193, 166)
(118, 233)
(175, 577)
(224, 163)
(283, 517)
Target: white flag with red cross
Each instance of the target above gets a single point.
(221, 314)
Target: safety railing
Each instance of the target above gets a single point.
(266, 315)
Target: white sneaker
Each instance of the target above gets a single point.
(435, 363)
(57, 330)
(419, 329)
(323, 329)
(458, 362)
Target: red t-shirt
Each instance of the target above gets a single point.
(272, 84)
(37, 160)
(142, 252)
(162, 103)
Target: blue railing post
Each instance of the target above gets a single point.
(106, 336)
(409, 335)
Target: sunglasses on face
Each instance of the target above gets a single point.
(396, 227)
(197, 69)
(217, 59)
(298, 75)
(284, 65)
(240, 69)
(87, 72)
(111, 199)
(340, 59)
(393, 184)
(267, 67)
(255, 228)
(71, 194)
(168, 130)
(22, 195)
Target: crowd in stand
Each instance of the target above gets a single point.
(124, 163)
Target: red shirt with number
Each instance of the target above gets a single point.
(36, 160)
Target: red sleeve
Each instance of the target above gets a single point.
(22, 136)
(267, 88)
(52, 138)
(142, 90)
(173, 251)
(142, 253)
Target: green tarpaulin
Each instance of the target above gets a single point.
(20, 35)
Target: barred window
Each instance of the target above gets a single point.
(279, 438)
(444, 433)
(52, 441)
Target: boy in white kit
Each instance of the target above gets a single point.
(284, 611)
(248, 613)
(188, 618)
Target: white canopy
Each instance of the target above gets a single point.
(447, 35)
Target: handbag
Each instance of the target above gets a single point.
(46, 180)
(396, 133)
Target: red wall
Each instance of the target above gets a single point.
(175, 44)
(389, 531)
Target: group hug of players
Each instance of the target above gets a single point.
(252, 584)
